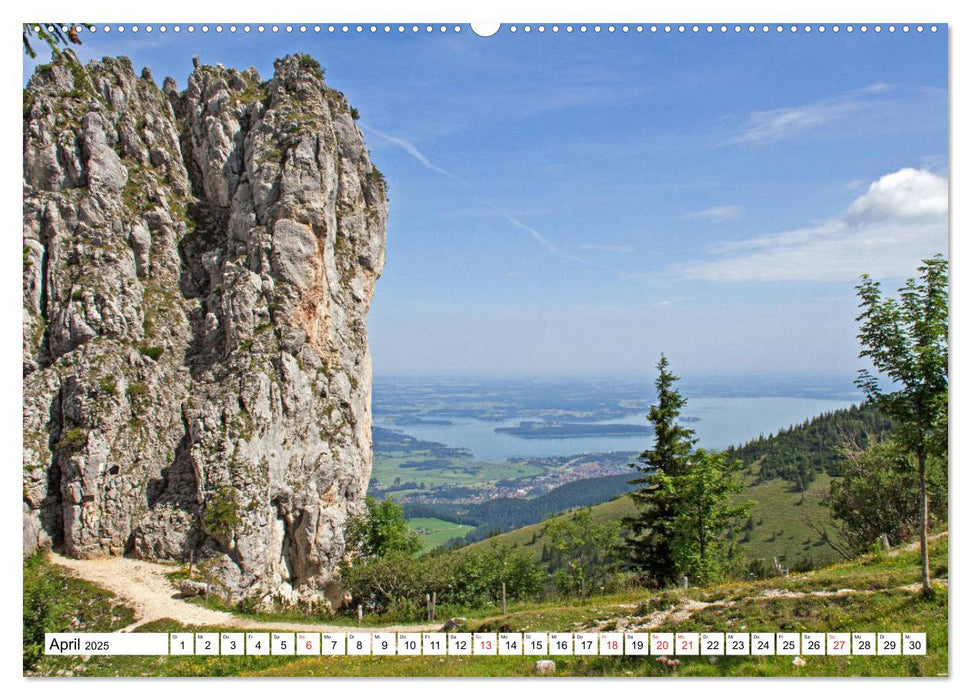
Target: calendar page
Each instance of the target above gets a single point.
(513, 349)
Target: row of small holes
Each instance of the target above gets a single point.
(722, 28)
(513, 28)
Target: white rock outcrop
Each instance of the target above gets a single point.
(198, 267)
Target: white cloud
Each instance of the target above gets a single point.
(409, 148)
(724, 213)
(899, 220)
(906, 195)
(777, 124)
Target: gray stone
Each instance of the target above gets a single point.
(187, 588)
(141, 243)
(453, 624)
(544, 667)
(198, 266)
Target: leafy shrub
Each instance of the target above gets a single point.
(880, 494)
(136, 390)
(376, 175)
(313, 64)
(381, 530)
(355, 115)
(247, 606)
(396, 584)
(73, 440)
(152, 351)
(221, 516)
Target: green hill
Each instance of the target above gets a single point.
(802, 452)
(780, 524)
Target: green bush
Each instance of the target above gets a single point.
(313, 64)
(73, 440)
(108, 386)
(136, 389)
(355, 115)
(247, 606)
(377, 176)
(396, 584)
(221, 516)
(880, 494)
(152, 351)
(381, 530)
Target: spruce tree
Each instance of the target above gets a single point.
(650, 538)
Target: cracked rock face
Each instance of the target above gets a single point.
(198, 267)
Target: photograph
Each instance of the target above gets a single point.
(605, 350)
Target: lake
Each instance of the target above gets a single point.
(721, 421)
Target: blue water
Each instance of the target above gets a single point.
(722, 421)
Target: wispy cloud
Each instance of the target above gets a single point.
(723, 213)
(778, 124)
(541, 239)
(606, 248)
(900, 219)
(409, 148)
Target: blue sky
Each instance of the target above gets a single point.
(579, 203)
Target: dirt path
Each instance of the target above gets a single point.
(145, 587)
(687, 607)
(915, 546)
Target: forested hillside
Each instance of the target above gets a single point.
(800, 453)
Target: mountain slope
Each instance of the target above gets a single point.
(782, 524)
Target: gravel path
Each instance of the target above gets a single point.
(145, 587)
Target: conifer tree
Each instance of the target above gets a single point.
(650, 538)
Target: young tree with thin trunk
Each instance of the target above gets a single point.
(708, 516)
(906, 340)
(587, 550)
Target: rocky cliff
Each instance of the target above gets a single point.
(198, 266)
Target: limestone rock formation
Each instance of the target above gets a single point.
(198, 266)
